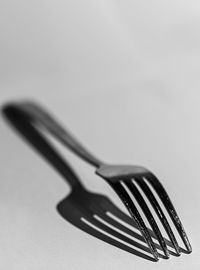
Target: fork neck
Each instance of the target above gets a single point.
(42, 145)
(38, 115)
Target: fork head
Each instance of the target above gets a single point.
(138, 182)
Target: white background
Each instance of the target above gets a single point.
(122, 75)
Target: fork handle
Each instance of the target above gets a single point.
(38, 115)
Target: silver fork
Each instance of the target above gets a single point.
(124, 179)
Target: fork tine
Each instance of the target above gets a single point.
(105, 233)
(102, 225)
(125, 198)
(149, 194)
(137, 195)
(169, 207)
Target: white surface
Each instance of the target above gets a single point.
(124, 77)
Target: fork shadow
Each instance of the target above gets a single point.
(93, 213)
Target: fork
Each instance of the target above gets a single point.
(125, 180)
(91, 212)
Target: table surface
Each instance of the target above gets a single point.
(125, 79)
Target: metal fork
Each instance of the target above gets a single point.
(91, 212)
(124, 179)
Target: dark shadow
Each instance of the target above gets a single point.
(90, 212)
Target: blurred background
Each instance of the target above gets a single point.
(125, 77)
(80, 47)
